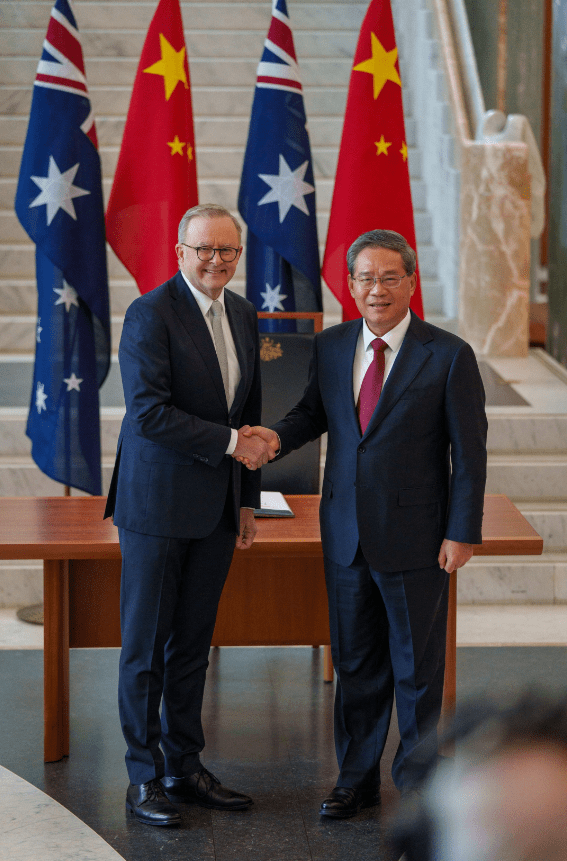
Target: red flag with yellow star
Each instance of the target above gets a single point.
(372, 185)
(156, 176)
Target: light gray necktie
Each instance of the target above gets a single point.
(220, 345)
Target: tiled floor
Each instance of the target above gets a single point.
(268, 723)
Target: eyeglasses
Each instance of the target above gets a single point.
(390, 282)
(206, 253)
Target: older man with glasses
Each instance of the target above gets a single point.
(190, 364)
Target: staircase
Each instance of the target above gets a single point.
(528, 462)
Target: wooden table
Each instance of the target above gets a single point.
(275, 593)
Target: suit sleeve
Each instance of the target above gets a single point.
(145, 365)
(252, 415)
(467, 428)
(307, 420)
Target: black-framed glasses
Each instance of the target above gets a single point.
(206, 252)
(390, 282)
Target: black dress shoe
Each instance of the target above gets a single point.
(344, 802)
(149, 803)
(205, 789)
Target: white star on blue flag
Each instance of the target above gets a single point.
(273, 299)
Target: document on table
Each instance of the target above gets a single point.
(273, 505)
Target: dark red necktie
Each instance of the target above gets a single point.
(372, 384)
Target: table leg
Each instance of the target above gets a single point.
(56, 658)
(450, 684)
(328, 670)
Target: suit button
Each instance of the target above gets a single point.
(361, 449)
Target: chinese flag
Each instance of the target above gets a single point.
(156, 175)
(372, 186)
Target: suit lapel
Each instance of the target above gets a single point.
(192, 319)
(344, 352)
(411, 357)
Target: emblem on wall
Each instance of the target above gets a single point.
(269, 350)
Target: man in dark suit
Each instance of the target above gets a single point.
(401, 508)
(189, 358)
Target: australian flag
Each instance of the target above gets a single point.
(277, 190)
(59, 203)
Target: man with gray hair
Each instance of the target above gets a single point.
(190, 364)
(401, 508)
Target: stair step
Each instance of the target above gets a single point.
(550, 521)
(13, 420)
(231, 158)
(19, 476)
(200, 43)
(526, 433)
(514, 580)
(18, 297)
(234, 15)
(207, 101)
(208, 130)
(16, 376)
(533, 476)
(21, 583)
(315, 71)
(17, 332)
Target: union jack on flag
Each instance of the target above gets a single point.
(59, 203)
(277, 189)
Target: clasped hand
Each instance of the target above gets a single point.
(255, 446)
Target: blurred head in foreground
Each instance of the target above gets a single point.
(503, 797)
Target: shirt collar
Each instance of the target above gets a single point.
(393, 338)
(203, 301)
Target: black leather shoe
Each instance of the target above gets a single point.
(149, 803)
(344, 802)
(205, 789)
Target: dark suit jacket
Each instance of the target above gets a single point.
(418, 473)
(172, 475)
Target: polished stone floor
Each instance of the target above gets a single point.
(268, 723)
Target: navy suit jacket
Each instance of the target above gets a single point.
(172, 476)
(418, 473)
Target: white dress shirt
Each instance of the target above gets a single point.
(204, 302)
(364, 353)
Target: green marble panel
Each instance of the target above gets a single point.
(557, 329)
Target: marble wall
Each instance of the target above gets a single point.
(495, 248)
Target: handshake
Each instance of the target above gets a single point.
(256, 446)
